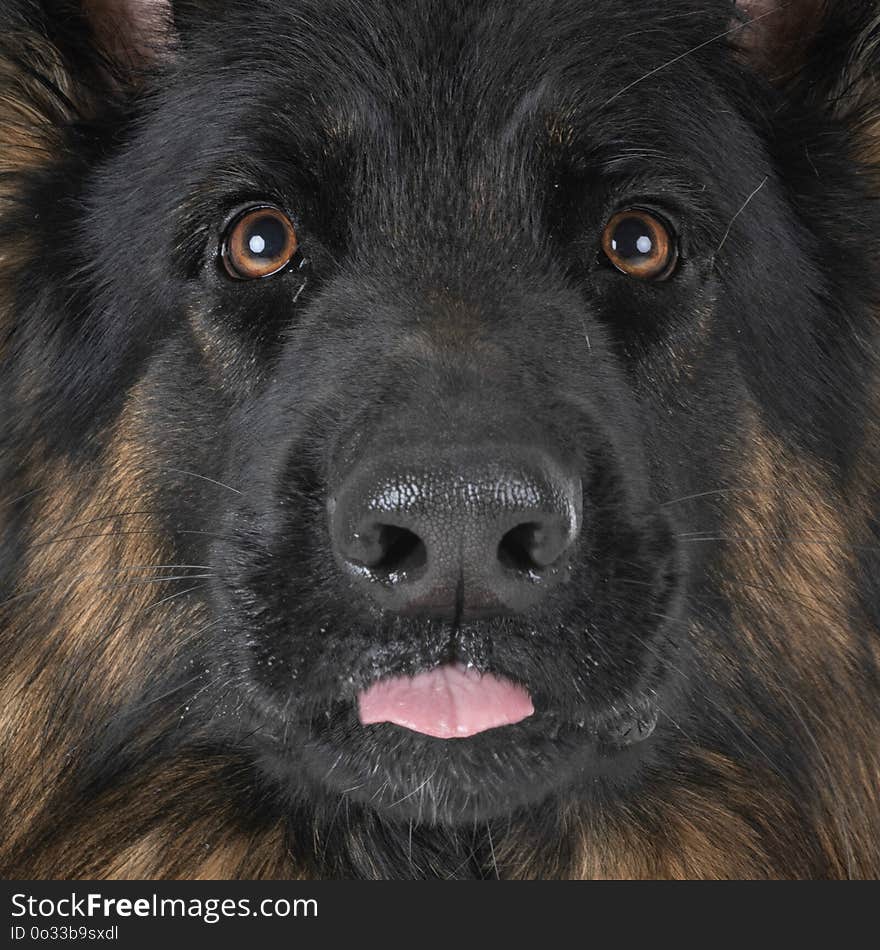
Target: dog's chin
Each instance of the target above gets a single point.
(407, 776)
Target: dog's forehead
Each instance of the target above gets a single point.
(484, 69)
(465, 109)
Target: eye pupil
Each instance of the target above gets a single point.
(266, 237)
(631, 239)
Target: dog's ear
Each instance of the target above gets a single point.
(130, 34)
(62, 61)
(776, 35)
(821, 51)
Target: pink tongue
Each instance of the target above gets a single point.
(450, 702)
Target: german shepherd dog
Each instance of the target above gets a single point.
(440, 439)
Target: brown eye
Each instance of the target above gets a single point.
(639, 244)
(259, 242)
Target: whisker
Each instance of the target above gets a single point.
(415, 791)
(192, 700)
(733, 220)
(695, 538)
(125, 534)
(791, 597)
(810, 734)
(110, 516)
(103, 467)
(704, 694)
(41, 472)
(20, 498)
(695, 49)
(757, 490)
(156, 580)
(166, 695)
(175, 595)
(116, 570)
(677, 725)
(88, 658)
(587, 335)
(204, 478)
(195, 679)
(492, 851)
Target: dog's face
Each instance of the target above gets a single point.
(456, 318)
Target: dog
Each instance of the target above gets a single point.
(439, 439)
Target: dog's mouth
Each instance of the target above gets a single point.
(452, 701)
(454, 743)
(455, 701)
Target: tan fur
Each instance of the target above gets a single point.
(173, 839)
(30, 117)
(30, 114)
(93, 569)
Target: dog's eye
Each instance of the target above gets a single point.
(640, 245)
(258, 243)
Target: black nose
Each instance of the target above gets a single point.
(465, 532)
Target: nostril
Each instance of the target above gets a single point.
(515, 548)
(405, 552)
(532, 546)
(392, 551)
